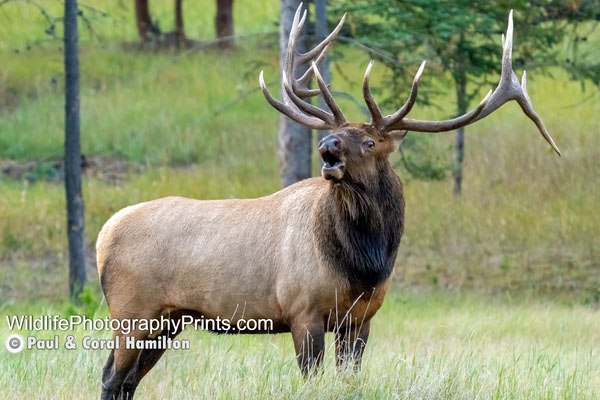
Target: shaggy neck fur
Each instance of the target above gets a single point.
(359, 227)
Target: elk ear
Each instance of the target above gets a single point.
(397, 137)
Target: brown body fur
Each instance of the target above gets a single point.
(268, 265)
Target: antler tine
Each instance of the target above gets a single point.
(294, 90)
(410, 102)
(290, 64)
(309, 55)
(508, 89)
(290, 61)
(527, 108)
(307, 107)
(291, 112)
(300, 85)
(337, 113)
(376, 118)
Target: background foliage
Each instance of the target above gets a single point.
(192, 123)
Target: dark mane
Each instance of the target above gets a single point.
(358, 228)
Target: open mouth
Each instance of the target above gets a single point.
(333, 166)
(331, 161)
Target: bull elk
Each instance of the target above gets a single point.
(314, 257)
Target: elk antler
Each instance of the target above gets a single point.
(296, 90)
(508, 89)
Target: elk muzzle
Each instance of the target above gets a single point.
(331, 150)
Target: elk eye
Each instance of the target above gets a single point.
(369, 144)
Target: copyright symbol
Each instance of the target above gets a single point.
(14, 343)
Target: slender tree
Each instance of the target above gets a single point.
(460, 83)
(149, 31)
(179, 31)
(145, 27)
(75, 208)
(294, 139)
(224, 23)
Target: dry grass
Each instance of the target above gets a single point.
(528, 220)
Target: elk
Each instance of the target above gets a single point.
(314, 257)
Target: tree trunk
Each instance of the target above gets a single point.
(75, 221)
(294, 139)
(146, 29)
(224, 23)
(179, 31)
(321, 32)
(461, 101)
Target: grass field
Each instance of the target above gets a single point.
(421, 347)
(522, 242)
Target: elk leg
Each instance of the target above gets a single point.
(146, 361)
(119, 364)
(107, 370)
(309, 343)
(350, 344)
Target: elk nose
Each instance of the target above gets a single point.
(330, 143)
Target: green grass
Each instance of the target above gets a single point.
(421, 346)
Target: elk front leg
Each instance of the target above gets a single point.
(350, 342)
(309, 342)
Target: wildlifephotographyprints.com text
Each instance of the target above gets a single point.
(55, 323)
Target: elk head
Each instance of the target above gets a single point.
(355, 148)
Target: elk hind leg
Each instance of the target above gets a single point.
(148, 359)
(119, 364)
